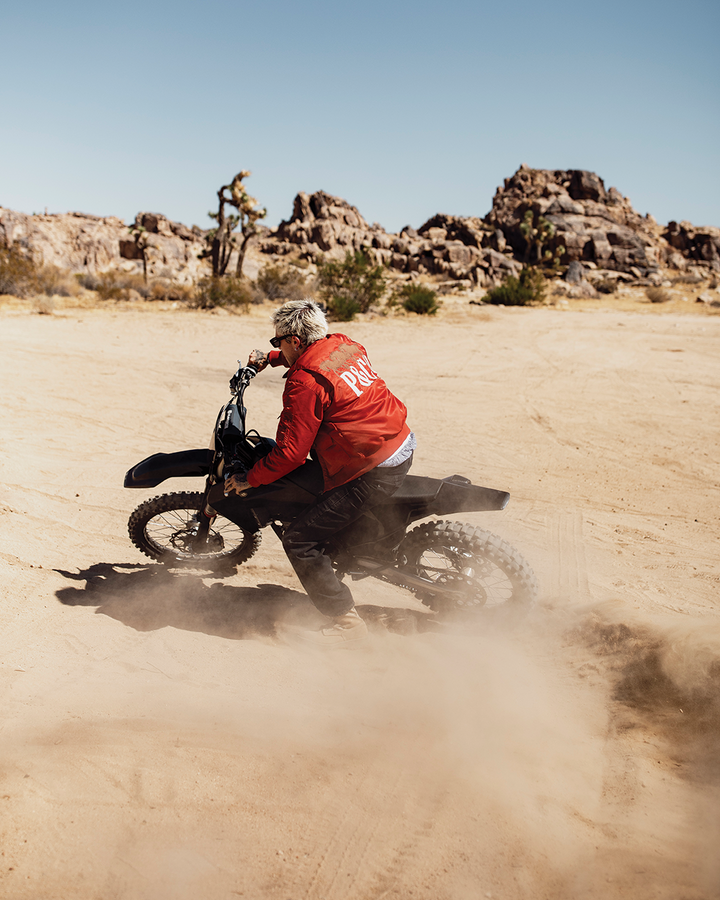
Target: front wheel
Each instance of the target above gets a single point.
(469, 569)
(166, 529)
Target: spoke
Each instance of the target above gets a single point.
(175, 530)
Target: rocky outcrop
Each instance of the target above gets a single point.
(170, 249)
(693, 244)
(323, 226)
(561, 216)
(586, 221)
(76, 241)
(80, 242)
(566, 216)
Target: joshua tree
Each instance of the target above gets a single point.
(536, 236)
(222, 238)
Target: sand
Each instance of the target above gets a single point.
(160, 740)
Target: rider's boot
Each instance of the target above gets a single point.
(345, 630)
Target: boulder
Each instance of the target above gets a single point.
(330, 223)
(575, 273)
(697, 244)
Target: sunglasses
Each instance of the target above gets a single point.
(276, 341)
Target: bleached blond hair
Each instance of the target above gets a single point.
(303, 318)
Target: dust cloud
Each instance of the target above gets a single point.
(450, 762)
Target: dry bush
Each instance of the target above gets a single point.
(658, 295)
(44, 305)
(606, 285)
(56, 282)
(164, 289)
(18, 273)
(215, 291)
(282, 283)
(117, 285)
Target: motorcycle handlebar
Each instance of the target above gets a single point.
(242, 377)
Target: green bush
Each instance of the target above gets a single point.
(528, 288)
(281, 283)
(417, 298)
(350, 287)
(227, 290)
(18, 273)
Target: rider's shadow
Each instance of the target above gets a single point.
(148, 597)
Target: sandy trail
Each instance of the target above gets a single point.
(158, 740)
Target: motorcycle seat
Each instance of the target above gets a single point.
(417, 487)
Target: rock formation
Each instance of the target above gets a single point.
(565, 215)
(688, 243)
(165, 248)
(588, 222)
(80, 242)
(325, 226)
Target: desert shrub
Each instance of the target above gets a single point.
(55, 282)
(88, 280)
(18, 273)
(117, 285)
(418, 298)
(281, 283)
(658, 295)
(350, 287)
(214, 291)
(44, 305)
(528, 288)
(606, 285)
(164, 289)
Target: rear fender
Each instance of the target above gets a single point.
(458, 494)
(157, 468)
(419, 497)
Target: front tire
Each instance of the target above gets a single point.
(473, 569)
(165, 529)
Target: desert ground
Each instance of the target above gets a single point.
(160, 739)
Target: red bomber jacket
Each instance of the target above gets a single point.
(335, 403)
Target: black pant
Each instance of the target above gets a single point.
(305, 538)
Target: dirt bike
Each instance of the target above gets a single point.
(449, 566)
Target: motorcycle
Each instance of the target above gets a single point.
(451, 567)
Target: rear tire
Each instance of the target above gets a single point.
(165, 527)
(477, 570)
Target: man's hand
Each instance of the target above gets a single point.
(258, 358)
(233, 485)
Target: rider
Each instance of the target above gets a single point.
(337, 405)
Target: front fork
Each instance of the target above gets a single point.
(206, 515)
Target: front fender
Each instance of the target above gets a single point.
(155, 469)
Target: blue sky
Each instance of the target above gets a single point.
(404, 109)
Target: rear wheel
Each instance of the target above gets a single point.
(166, 529)
(470, 569)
